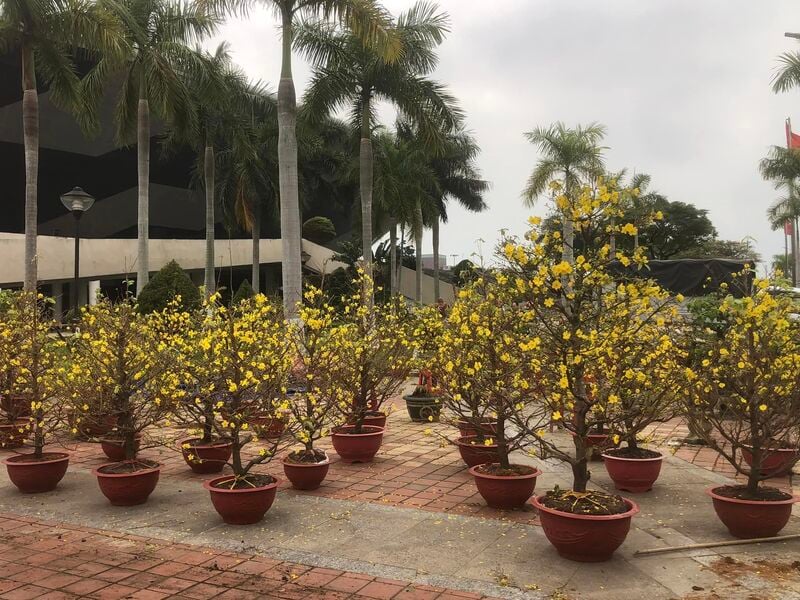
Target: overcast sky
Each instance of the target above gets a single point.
(683, 87)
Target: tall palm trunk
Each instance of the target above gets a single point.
(256, 231)
(435, 245)
(393, 256)
(292, 268)
(402, 254)
(30, 126)
(143, 226)
(209, 175)
(796, 251)
(418, 243)
(568, 230)
(366, 181)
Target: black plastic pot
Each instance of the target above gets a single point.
(421, 408)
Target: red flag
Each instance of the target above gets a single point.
(792, 139)
(787, 228)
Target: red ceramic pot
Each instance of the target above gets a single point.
(377, 419)
(114, 448)
(16, 406)
(752, 518)
(357, 447)
(599, 442)
(271, 426)
(775, 462)
(241, 507)
(466, 428)
(505, 491)
(92, 426)
(585, 538)
(306, 476)
(127, 489)
(34, 476)
(206, 458)
(633, 474)
(477, 453)
(13, 435)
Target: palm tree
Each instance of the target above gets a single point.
(787, 209)
(572, 156)
(370, 24)
(782, 167)
(349, 74)
(47, 34)
(157, 33)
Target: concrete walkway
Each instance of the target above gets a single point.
(490, 556)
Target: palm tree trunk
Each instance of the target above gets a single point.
(292, 267)
(418, 243)
(209, 175)
(256, 231)
(567, 253)
(435, 245)
(402, 250)
(613, 241)
(30, 126)
(393, 256)
(796, 252)
(366, 182)
(143, 155)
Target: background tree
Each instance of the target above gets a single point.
(782, 167)
(319, 230)
(683, 226)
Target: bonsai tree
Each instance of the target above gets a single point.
(746, 388)
(241, 366)
(169, 285)
(121, 364)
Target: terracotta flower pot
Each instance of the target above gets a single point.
(13, 435)
(127, 489)
(16, 406)
(467, 428)
(271, 426)
(585, 538)
(114, 449)
(377, 419)
(423, 409)
(505, 491)
(776, 462)
(244, 506)
(476, 453)
(206, 458)
(635, 475)
(94, 426)
(600, 442)
(357, 447)
(32, 476)
(306, 476)
(752, 518)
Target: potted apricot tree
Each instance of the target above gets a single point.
(121, 363)
(246, 359)
(587, 317)
(746, 389)
(485, 344)
(36, 359)
(424, 404)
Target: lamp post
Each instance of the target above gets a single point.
(77, 202)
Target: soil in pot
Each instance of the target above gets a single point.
(128, 483)
(13, 435)
(505, 488)
(206, 457)
(244, 500)
(306, 469)
(33, 475)
(633, 469)
(775, 462)
(475, 452)
(747, 515)
(423, 409)
(357, 447)
(585, 526)
(114, 448)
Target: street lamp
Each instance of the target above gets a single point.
(77, 202)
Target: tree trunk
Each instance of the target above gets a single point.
(292, 266)
(418, 243)
(393, 256)
(435, 245)
(30, 127)
(365, 167)
(143, 226)
(795, 254)
(613, 241)
(256, 231)
(567, 253)
(209, 174)
(402, 251)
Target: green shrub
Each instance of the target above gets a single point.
(319, 230)
(171, 281)
(244, 292)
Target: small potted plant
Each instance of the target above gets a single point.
(373, 360)
(247, 360)
(746, 389)
(484, 346)
(120, 362)
(36, 358)
(423, 404)
(310, 402)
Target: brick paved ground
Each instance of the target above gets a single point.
(51, 561)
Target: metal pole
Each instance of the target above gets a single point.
(76, 278)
